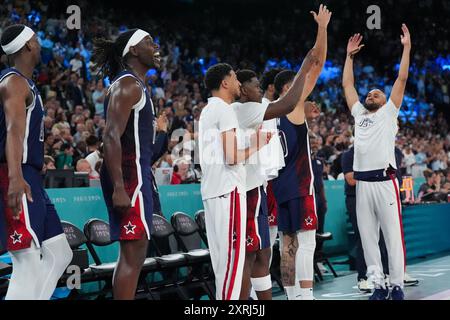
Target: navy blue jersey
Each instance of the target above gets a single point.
(295, 179)
(137, 140)
(33, 143)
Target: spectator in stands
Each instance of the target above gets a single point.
(49, 163)
(180, 170)
(98, 97)
(430, 188)
(408, 159)
(84, 166)
(64, 159)
(420, 165)
(95, 154)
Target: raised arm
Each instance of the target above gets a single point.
(122, 99)
(398, 89)
(322, 18)
(15, 92)
(287, 103)
(348, 80)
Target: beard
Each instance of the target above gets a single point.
(372, 106)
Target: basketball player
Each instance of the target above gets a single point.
(377, 192)
(275, 157)
(30, 228)
(294, 189)
(249, 113)
(128, 140)
(223, 186)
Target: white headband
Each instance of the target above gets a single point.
(137, 36)
(19, 41)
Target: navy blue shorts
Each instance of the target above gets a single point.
(136, 223)
(297, 214)
(39, 220)
(257, 237)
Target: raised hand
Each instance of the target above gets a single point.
(354, 44)
(405, 38)
(322, 17)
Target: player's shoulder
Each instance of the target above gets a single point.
(13, 84)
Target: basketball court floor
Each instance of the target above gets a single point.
(433, 275)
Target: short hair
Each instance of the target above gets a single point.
(91, 141)
(245, 75)
(48, 159)
(215, 75)
(268, 78)
(282, 79)
(428, 173)
(10, 33)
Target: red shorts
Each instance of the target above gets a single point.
(297, 214)
(272, 206)
(257, 237)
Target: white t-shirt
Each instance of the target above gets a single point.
(273, 152)
(218, 177)
(375, 137)
(93, 158)
(250, 116)
(409, 160)
(76, 64)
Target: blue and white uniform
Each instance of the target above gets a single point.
(38, 219)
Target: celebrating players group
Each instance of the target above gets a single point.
(254, 150)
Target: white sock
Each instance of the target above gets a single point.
(306, 293)
(290, 292)
(56, 255)
(27, 270)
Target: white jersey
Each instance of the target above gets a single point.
(273, 152)
(375, 137)
(250, 116)
(218, 178)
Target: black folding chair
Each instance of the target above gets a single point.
(321, 257)
(77, 239)
(98, 234)
(168, 255)
(200, 219)
(188, 235)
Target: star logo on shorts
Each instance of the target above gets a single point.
(309, 221)
(271, 218)
(249, 241)
(129, 228)
(16, 237)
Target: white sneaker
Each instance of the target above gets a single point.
(410, 281)
(365, 286)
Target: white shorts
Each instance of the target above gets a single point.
(225, 219)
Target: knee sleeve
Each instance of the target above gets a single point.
(27, 270)
(262, 284)
(56, 256)
(304, 264)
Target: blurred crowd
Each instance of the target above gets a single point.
(271, 36)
